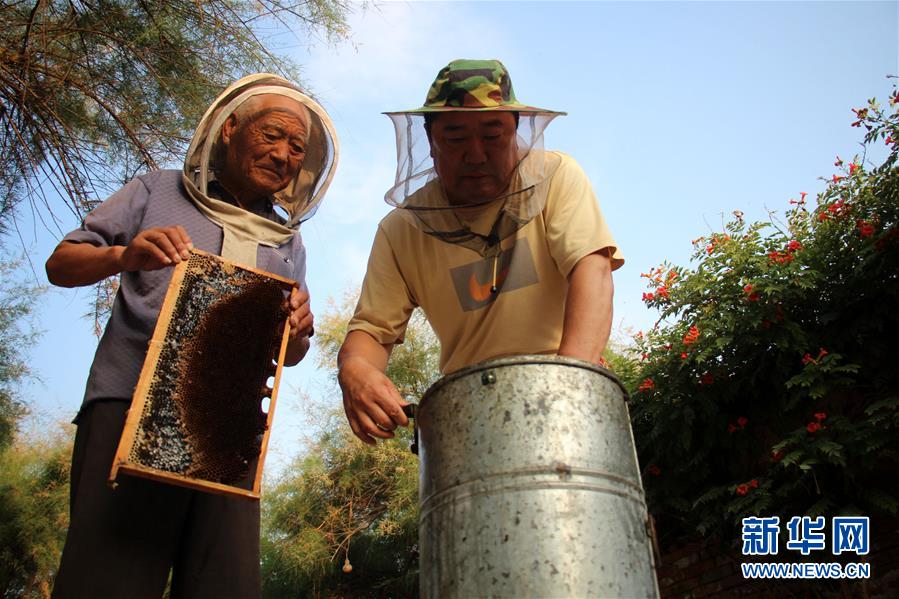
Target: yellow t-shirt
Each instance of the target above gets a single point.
(409, 268)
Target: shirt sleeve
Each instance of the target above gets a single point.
(385, 305)
(298, 258)
(117, 220)
(575, 226)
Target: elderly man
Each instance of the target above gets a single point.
(501, 243)
(259, 164)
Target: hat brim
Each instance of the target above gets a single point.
(503, 108)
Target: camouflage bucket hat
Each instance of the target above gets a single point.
(473, 85)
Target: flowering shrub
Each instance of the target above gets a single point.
(770, 385)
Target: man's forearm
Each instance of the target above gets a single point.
(359, 345)
(588, 309)
(78, 264)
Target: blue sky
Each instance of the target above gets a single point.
(679, 112)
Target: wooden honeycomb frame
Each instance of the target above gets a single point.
(181, 428)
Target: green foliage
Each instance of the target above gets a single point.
(16, 302)
(34, 513)
(34, 473)
(344, 504)
(769, 384)
(619, 358)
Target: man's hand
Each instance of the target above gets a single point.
(299, 314)
(300, 319)
(156, 248)
(75, 264)
(373, 405)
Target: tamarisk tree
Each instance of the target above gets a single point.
(93, 92)
(343, 519)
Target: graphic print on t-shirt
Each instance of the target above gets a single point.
(514, 269)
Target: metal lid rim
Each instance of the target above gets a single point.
(519, 360)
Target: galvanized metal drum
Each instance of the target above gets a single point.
(530, 485)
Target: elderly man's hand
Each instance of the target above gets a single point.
(299, 314)
(299, 317)
(373, 405)
(156, 248)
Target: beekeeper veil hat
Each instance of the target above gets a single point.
(297, 202)
(470, 86)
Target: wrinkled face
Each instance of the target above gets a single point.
(474, 154)
(265, 150)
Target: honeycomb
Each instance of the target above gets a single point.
(202, 415)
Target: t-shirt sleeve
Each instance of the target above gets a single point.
(298, 259)
(117, 220)
(575, 226)
(385, 304)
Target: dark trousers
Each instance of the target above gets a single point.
(123, 542)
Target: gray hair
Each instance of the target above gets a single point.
(245, 114)
(249, 111)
